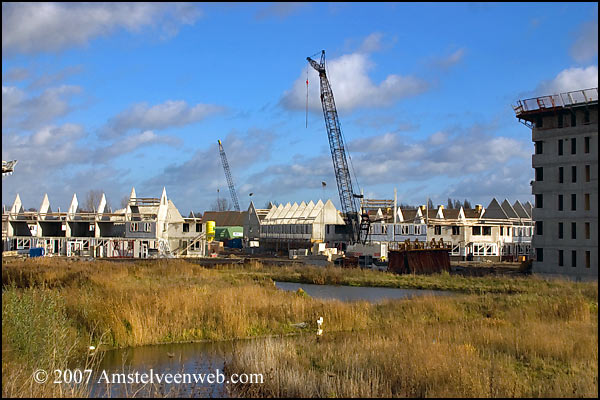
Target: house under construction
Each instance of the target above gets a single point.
(498, 232)
(146, 227)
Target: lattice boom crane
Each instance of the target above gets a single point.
(338, 154)
(234, 198)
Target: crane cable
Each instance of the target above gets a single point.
(307, 96)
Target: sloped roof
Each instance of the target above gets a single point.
(451, 213)
(509, 210)
(173, 214)
(520, 210)
(472, 212)
(409, 214)
(431, 213)
(494, 211)
(225, 218)
(529, 208)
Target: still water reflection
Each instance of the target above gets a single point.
(209, 357)
(350, 293)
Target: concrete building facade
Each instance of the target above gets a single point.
(565, 160)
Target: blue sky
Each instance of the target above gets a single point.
(109, 96)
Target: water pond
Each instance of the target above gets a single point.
(187, 359)
(351, 293)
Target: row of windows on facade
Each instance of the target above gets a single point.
(186, 227)
(298, 229)
(539, 174)
(539, 229)
(491, 249)
(561, 257)
(539, 145)
(146, 227)
(560, 120)
(539, 201)
(404, 229)
(486, 230)
(140, 227)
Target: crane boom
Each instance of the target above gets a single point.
(234, 198)
(338, 153)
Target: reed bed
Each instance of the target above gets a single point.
(501, 337)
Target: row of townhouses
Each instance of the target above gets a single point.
(147, 227)
(500, 231)
(151, 227)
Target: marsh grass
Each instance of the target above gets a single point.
(502, 336)
(37, 334)
(439, 350)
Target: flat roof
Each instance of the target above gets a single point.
(552, 103)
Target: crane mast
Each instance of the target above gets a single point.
(234, 198)
(338, 154)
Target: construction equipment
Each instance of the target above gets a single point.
(358, 230)
(234, 198)
(8, 167)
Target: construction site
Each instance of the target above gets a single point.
(363, 232)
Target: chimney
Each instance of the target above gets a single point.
(478, 207)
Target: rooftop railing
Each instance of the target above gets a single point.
(560, 100)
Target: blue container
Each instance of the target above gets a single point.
(234, 243)
(36, 252)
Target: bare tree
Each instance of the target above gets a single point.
(92, 200)
(124, 201)
(270, 204)
(221, 204)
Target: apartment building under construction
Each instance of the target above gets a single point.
(565, 134)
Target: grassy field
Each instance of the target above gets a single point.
(501, 337)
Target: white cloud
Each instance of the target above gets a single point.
(510, 181)
(437, 162)
(196, 180)
(451, 60)
(372, 43)
(16, 75)
(585, 46)
(161, 116)
(570, 79)
(49, 148)
(131, 143)
(35, 111)
(352, 87)
(279, 10)
(35, 27)
(51, 78)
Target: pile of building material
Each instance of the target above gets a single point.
(419, 261)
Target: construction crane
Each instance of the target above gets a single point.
(234, 198)
(358, 233)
